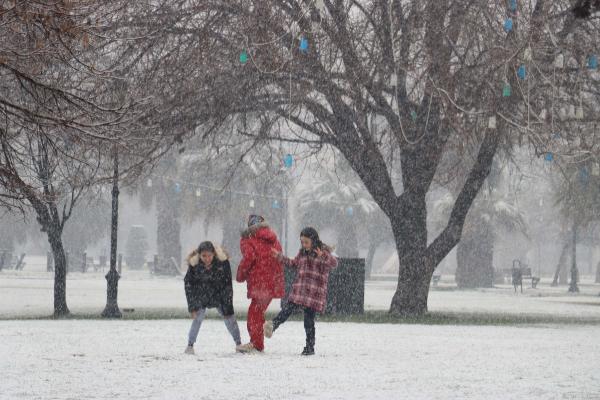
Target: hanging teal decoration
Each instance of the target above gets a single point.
(506, 90)
(549, 157)
(177, 188)
(288, 161)
(350, 211)
(413, 115)
(508, 24)
(276, 205)
(593, 62)
(513, 5)
(522, 72)
(304, 45)
(584, 175)
(244, 57)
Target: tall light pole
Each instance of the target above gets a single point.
(112, 277)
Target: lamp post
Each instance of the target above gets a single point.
(112, 277)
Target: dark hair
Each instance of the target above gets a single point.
(206, 246)
(313, 235)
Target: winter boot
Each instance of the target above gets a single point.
(189, 350)
(308, 351)
(268, 329)
(247, 348)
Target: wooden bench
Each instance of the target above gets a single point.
(435, 279)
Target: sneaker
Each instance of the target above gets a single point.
(308, 351)
(189, 350)
(246, 348)
(268, 329)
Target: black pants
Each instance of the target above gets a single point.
(309, 320)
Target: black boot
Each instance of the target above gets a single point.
(308, 351)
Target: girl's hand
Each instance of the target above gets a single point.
(319, 252)
(275, 252)
(194, 314)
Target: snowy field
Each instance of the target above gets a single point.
(136, 359)
(144, 360)
(29, 293)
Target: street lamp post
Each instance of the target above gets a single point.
(112, 277)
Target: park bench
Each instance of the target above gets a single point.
(519, 272)
(435, 279)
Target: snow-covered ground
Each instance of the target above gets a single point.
(29, 293)
(133, 359)
(92, 359)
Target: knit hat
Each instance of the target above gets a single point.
(255, 219)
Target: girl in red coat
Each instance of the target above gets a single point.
(263, 274)
(309, 291)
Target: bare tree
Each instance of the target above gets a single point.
(443, 76)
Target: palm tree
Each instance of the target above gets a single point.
(578, 199)
(489, 216)
(337, 199)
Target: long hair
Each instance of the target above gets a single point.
(313, 235)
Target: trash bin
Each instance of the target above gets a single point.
(346, 288)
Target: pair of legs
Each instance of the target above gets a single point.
(309, 320)
(230, 323)
(256, 320)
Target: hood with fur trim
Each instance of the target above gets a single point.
(193, 258)
(253, 230)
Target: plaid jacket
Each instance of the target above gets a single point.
(310, 286)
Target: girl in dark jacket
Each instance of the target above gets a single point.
(208, 285)
(309, 290)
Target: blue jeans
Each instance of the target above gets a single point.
(230, 323)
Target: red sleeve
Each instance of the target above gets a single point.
(248, 258)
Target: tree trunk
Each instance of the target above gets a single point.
(475, 257)
(370, 256)
(560, 274)
(347, 245)
(232, 224)
(60, 272)
(168, 239)
(410, 232)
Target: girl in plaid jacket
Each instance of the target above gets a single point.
(309, 290)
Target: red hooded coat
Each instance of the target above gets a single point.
(262, 271)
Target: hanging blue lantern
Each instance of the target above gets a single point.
(549, 157)
(593, 62)
(177, 188)
(413, 115)
(522, 72)
(584, 176)
(508, 24)
(513, 5)
(350, 211)
(288, 161)
(276, 205)
(304, 44)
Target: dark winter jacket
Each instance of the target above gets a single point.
(209, 287)
(262, 272)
